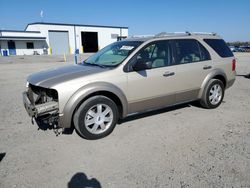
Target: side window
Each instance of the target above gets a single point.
(147, 53)
(205, 56)
(220, 47)
(159, 53)
(187, 51)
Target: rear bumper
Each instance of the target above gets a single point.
(40, 109)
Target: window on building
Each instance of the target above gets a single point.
(30, 45)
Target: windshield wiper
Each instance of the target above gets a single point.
(94, 64)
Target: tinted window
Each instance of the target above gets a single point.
(189, 51)
(204, 53)
(159, 53)
(220, 47)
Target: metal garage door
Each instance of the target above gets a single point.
(59, 42)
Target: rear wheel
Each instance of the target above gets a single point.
(96, 117)
(213, 94)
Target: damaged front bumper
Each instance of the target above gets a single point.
(45, 114)
(35, 111)
(42, 106)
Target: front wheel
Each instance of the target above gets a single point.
(96, 117)
(213, 94)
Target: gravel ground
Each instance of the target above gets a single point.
(184, 146)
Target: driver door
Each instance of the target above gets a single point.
(155, 87)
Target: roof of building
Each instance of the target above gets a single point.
(19, 31)
(67, 24)
(21, 35)
(21, 38)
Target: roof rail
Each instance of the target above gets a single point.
(204, 33)
(183, 33)
(141, 36)
(165, 34)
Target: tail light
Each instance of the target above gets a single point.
(234, 65)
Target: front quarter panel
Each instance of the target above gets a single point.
(76, 99)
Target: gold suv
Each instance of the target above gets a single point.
(131, 76)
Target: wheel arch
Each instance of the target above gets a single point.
(100, 88)
(221, 78)
(216, 74)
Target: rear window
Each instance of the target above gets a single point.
(220, 47)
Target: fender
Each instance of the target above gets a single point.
(215, 72)
(82, 93)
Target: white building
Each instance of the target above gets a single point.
(22, 42)
(57, 38)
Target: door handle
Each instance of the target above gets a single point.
(207, 67)
(166, 74)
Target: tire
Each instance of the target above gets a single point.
(212, 98)
(96, 117)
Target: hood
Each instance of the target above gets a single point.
(55, 76)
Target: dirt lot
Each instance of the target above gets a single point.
(185, 146)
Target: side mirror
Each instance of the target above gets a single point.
(142, 64)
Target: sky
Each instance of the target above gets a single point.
(228, 18)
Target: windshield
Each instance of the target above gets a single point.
(113, 54)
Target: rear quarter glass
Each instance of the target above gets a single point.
(220, 47)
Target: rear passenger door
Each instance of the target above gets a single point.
(193, 63)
